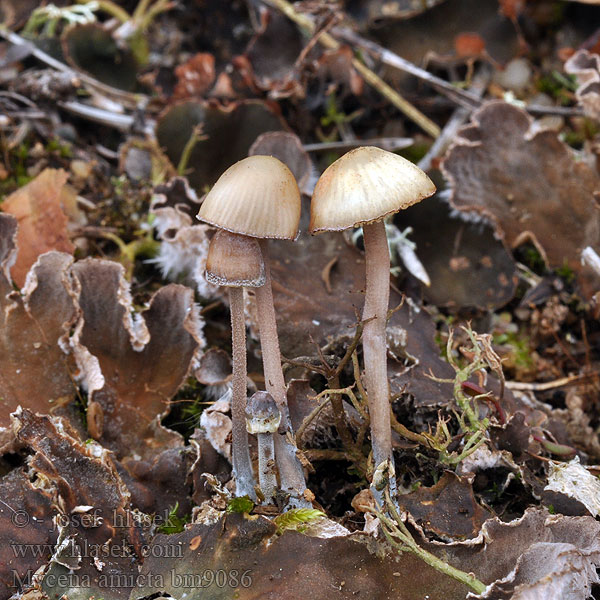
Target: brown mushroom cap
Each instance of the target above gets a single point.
(363, 186)
(257, 196)
(234, 261)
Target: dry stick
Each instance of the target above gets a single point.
(369, 76)
(290, 469)
(461, 97)
(242, 465)
(549, 385)
(128, 99)
(387, 143)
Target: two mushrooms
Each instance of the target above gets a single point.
(258, 199)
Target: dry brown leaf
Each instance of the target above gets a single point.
(38, 207)
(195, 77)
(101, 539)
(528, 184)
(26, 514)
(132, 366)
(35, 372)
(448, 509)
(291, 566)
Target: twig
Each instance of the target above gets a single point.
(390, 143)
(549, 385)
(461, 97)
(98, 115)
(400, 538)
(369, 76)
(126, 98)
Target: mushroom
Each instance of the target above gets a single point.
(259, 197)
(235, 261)
(362, 188)
(262, 419)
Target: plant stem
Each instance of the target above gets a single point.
(240, 454)
(396, 530)
(290, 470)
(377, 257)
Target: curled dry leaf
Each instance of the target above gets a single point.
(528, 185)
(586, 68)
(100, 538)
(184, 242)
(34, 370)
(39, 207)
(214, 368)
(132, 366)
(216, 422)
(226, 134)
(575, 481)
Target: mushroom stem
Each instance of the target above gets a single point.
(377, 257)
(291, 474)
(267, 478)
(240, 453)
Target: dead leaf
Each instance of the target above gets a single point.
(448, 509)
(26, 514)
(528, 184)
(38, 207)
(102, 539)
(132, 366)
(35, 371)
(229, 132)
(195, 77)
(288, 567)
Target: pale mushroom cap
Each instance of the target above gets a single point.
(262, 413)
(257, 196)
(234, 261)
(363, 186)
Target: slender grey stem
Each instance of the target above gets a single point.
(377, 257)
(267, 477)
(240, 453)
(290, 470)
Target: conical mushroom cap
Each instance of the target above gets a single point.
(234, 261)
(257, 196)
(363, 186)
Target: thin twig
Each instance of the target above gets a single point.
(463, 98)
(369, 76)
(128, 99)
(386, 143)
(550, 385)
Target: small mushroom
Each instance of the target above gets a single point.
(259, 197)
(262, 419)
(362, 188)
(235, 261)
